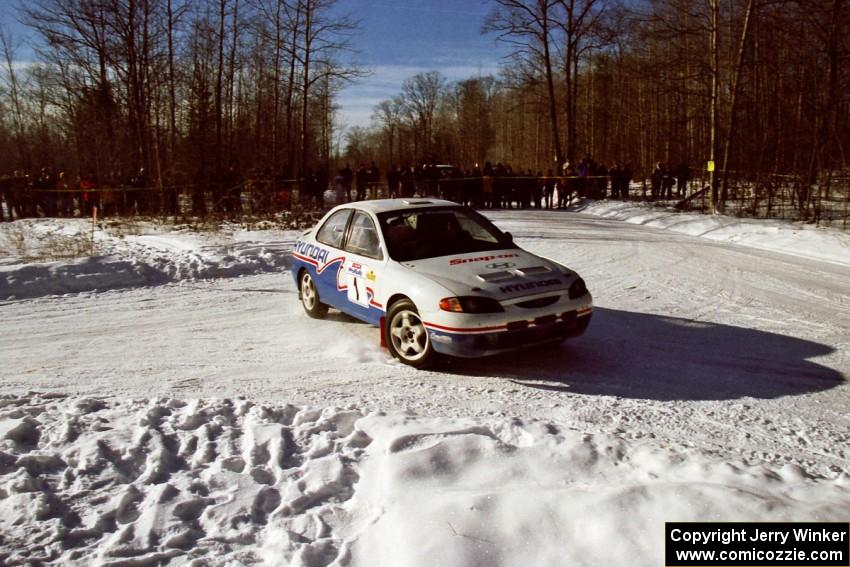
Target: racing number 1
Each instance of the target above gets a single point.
(357, 291)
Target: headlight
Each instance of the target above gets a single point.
(470, 304)
(577, 289)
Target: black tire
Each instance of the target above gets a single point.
(406, 336)
(309, 296)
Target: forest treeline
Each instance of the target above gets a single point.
(187, 88)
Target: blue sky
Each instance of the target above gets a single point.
(400, 38)
(397, 39)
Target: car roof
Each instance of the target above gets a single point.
(385, 205)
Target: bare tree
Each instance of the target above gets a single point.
(716, 206)
(7, 44)
(420, 95)
(733, 104)
(388, 115)
(219, 81)
(527, 26)
(285, 21)
(474, 108)
(174, 14)
(580, 23)
(78, 31)
(324, 38)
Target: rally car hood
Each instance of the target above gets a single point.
(501, 274)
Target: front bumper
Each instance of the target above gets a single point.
(514, 336)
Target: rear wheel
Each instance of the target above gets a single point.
(406, 336)
(310, 297)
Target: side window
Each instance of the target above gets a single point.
(363, 239)
(333, 230)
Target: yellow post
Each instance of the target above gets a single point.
(93, 221)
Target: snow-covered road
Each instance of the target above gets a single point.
(741, 353)
(693, 340)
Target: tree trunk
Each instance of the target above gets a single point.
(219, 81)
(550, 91)
(278, 49)
(736, 81)
(172, 97)
(20, 135)
(231, 80)
(716, 205)
(290, 88)
(305, 86)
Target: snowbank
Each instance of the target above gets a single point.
(40, 257)
(30, 267)
(799, 239)
(230, 482)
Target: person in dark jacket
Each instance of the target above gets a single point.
(548, 189)
(139, 183)
(322, 182)
(361, 181)
(574, 186)
(657, 180)
(7, 195)
(669, 181)
(374, 180)
(393, 180)
(45, 186)
(683, 175)
(347, 178)
(408, 181)
(232, 181)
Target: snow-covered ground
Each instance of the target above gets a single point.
(54, 256)
(188, 410)
(801, 239)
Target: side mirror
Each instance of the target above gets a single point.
(509, 238)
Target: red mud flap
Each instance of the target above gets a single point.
(381, 325)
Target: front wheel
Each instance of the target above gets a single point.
(406, 336)
(310, 297)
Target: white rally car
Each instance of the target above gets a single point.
(437, 278)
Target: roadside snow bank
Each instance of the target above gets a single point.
(228, 481)
(40, 257)
(788, 237)
(51, 256)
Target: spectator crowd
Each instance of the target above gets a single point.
(52, 194)
(489, 186)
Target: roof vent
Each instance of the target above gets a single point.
(534, 270)
(497, 276)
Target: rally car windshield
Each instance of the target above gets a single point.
(428, 233)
